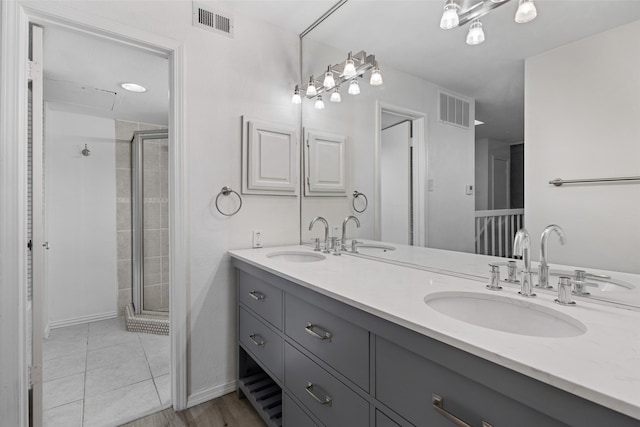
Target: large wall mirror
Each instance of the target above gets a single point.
(558, 97)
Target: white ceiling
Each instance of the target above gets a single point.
(83, 74)
(405, 35)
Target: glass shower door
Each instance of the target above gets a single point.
(150, 171)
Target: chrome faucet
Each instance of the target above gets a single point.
(344, 229)
(522, 247)
(326, 232)
(543, 269)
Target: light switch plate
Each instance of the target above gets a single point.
(257, 238)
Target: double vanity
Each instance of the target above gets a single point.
(350, 341)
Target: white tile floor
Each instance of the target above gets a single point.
(97, 374)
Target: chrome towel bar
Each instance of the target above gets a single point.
(559, 181)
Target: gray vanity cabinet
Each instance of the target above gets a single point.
(406, 382)
(261, 297)
(263, 343)
(294, 416)
(306, 359)
(339, 343)
(326, 397)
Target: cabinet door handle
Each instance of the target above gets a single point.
(252, 337)
(256, 295)
(325, 336)
(325, 401)
(438, 405)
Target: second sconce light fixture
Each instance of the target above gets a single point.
(352, 68)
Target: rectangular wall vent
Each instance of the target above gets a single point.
(212, 20)
(454, 111)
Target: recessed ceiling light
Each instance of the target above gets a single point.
(478, 122)
(133, 87)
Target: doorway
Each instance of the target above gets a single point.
(400, 210)
(96, 369)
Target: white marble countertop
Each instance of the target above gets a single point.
(602, 365)
(444, 261)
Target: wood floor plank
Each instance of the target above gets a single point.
(225, 411)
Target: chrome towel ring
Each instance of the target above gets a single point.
(357, 194)
(225, 191)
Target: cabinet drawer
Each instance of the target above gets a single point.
(383, 421)
(263, 343)
(328, 399)
(294, 416)
(345, 348)
(262, 298)
(405, 382)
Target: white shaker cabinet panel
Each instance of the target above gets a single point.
(325, 162)
(270, 158)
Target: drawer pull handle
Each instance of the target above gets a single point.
(438, 405)
(324, 336)
(256, 295)
(325, 401)
(252, 337)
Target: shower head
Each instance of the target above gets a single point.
(86, 152)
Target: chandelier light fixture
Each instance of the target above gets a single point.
(348, 71)
(459, 12)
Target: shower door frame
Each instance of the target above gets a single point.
(137, 216)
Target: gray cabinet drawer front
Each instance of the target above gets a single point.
(347, 350)
(346, 407)
(405, 382)
(294, 416)
(261, 297)
(383, 421)
(265, 345)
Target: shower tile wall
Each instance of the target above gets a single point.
(156, 266)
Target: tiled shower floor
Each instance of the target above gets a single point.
(98, 373)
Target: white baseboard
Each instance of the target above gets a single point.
(210, 393)
(83, 319)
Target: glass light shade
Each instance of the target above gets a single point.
(450, 17)
(311, 90)
(319, 105)
(296, 98)
(476, 34)
(349, 69)
(354, 88)
(329, 81)
(335, 96)
(376, 78)
(526, 12)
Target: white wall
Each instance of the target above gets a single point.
(582, 110)
(450, 153)
(252, 74)
(80, 218)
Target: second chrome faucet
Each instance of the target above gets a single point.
(522, 247)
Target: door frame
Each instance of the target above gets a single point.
(15, 18)
(420, 153)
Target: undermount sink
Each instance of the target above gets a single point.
(296, 256)
(505, 314)
(375, 247)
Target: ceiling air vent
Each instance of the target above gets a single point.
(212, 20)
(454, 111)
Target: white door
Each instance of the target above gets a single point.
(38, 245)
(396, 225)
